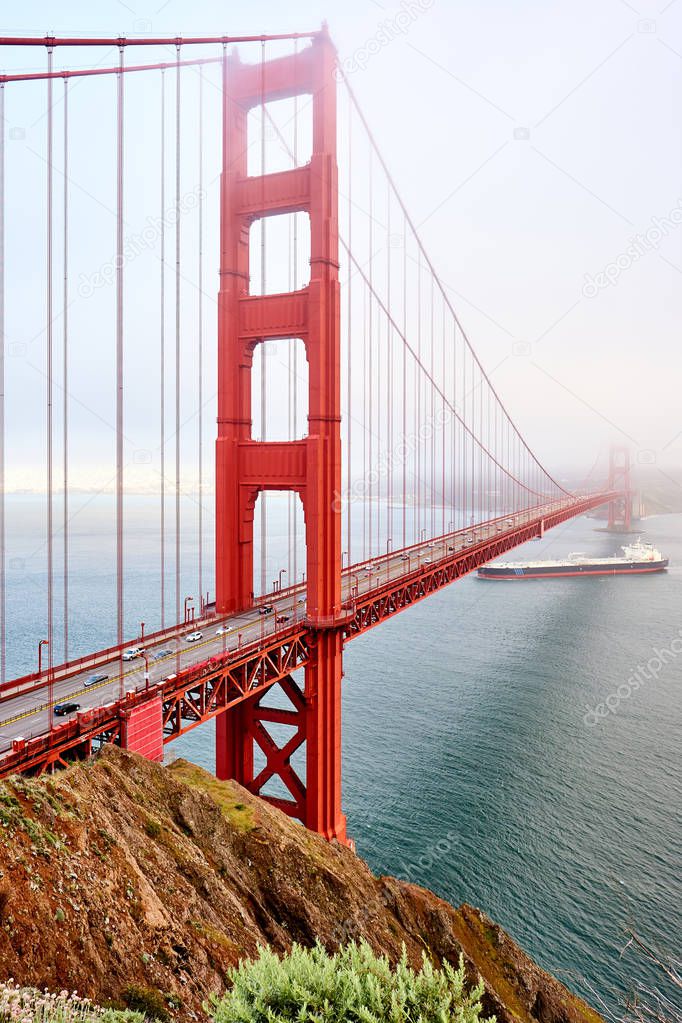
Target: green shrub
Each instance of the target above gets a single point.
(351, 985)
(153, 828)
(147, 1000)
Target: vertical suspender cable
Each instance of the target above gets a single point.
(290, 418)
(454, 454)
(349, 300)
(389, 359)
(417, 407)
(119, 361)
(292, 566)
(200, 328)
(370, 366)
(432, 413)
(364, 422)
(177, 336)
(50, 340)
(465, 469)
(3, 641)
(263, 361)
(293, 498)
(443, 432)
(404, 436)
(65, 372)
(162, 358)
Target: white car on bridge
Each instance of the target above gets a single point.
(132, 653)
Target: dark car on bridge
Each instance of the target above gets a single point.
(266, 609)
(160, 654)
(94, 680)
(61, 709)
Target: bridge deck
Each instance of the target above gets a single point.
(198, 680)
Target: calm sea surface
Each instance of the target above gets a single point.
(477, 758)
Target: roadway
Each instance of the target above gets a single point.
(25, 713)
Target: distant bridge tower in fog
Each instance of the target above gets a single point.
(620, 509)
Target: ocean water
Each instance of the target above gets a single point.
(472, 764)
(501, 744)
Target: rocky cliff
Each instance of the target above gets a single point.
(120, 872)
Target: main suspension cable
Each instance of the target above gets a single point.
(429, 265)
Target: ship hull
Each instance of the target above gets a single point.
(560, 571)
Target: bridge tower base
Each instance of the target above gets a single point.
(313, 725)
(310, 467)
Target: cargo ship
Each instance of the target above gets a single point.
(636, 558)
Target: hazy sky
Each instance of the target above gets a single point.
(532, 143)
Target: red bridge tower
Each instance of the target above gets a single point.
(312, 466)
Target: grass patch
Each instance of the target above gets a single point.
(146, 1000)
(152, 827)
(221, 792)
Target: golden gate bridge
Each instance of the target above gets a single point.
(404, 470)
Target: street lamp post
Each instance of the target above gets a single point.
(50, 682)
(389, 541)
(146, 669)
(188, 601)
(282, 572)
(422, 536)
(43, 642)
(142, 630)
(355, 577)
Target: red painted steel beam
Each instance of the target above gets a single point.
(191, 697)
(39, 76)
(54, 41)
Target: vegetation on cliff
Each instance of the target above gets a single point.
(352, 985)
(26, 1005)
(143, 887)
